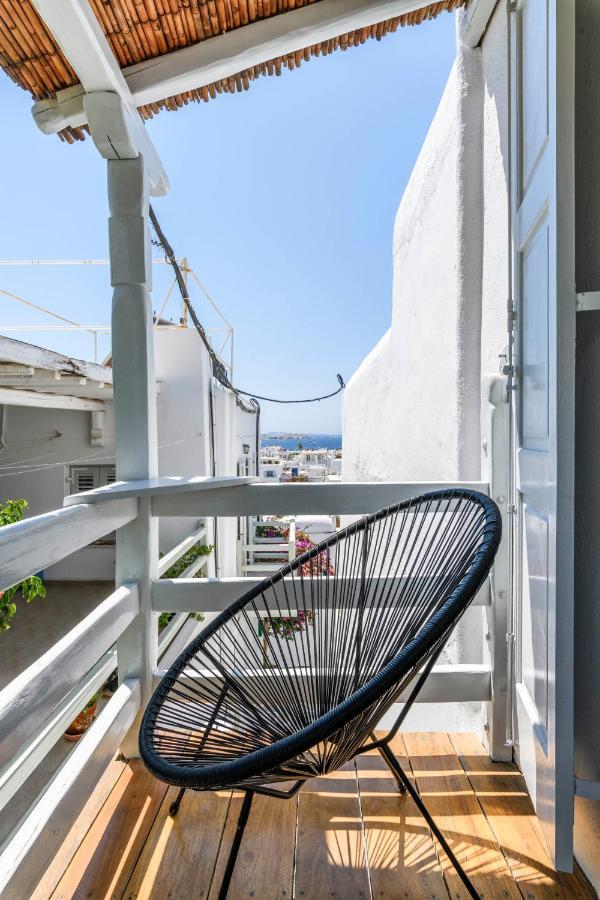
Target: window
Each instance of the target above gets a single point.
(270, 473)
(87, 478)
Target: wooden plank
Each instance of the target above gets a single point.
(33, 845)
(36, 543)
(401, 853)
(84, 821)
(107, 102)
(166, 561)
(330, 855)
(109, 852)
(502, 793)
(179, 855)
(22, 353)
(215, 594)
(43, 400)
(155, 487)
(256, 43)
(28, 700)
(265, 864)
(24, 762)
(446, 792)
(342, 498)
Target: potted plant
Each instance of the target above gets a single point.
(82, 722)
(267, 532)
(12, 511)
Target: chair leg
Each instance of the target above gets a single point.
(237, 840)
(174, 807)
(390, 760)
(399, 773)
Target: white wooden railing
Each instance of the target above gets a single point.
(38, 704)
(170, 632)
(276, 551)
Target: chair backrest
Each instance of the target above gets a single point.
(322, 648)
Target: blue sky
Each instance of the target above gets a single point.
(283, 198)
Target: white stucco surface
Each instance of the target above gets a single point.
(411, 411)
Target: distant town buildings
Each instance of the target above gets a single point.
(280, 464)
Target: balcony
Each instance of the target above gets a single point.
(348, 835)
(101, 825)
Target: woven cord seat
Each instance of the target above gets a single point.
(291, 680)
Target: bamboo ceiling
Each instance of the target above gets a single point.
(141, 29)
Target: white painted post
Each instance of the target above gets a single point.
(292, 541)
(495, 427)
(134, 412)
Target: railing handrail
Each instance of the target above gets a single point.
(33, 544)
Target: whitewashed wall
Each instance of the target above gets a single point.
(234, 428)
(412, 410)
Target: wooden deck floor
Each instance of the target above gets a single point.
(350, 835)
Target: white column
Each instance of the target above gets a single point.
(495, 426)
(134, 411)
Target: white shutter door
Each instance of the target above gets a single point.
(544, 292)
(83, 478)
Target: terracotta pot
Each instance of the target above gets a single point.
(80, 725)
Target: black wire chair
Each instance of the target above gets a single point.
(292, 679)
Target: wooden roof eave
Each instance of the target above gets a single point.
(190, 70)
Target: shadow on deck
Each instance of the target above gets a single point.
(349, 835)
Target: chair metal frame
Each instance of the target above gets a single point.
(403, 669)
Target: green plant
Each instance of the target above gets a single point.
(187, 559)
(12, 511)
(177, 569)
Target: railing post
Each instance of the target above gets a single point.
(134, 411)
(495, 427)
(292, 541)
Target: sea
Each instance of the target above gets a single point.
(308, 441)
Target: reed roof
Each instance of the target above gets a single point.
(138, 30)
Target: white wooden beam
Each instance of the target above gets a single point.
(21, 353)
(225, 55)
(495, 426)
(588, 301)
(182, 547)
(232, 496)
(250, 45)
(341, 498)
(34, 844)
(24, 762)
(109, 108)
(215, 594)
(176, 484)
(474, 21)
(170, 632)
(27, 700)
(134, 406)
(458, 683)
(48, 400)
(40, 541)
